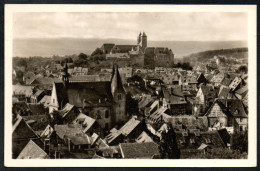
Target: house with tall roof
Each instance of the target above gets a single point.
(104, 101)
(206, 95)
(22, 133)
(229, 113)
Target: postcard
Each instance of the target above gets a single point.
(130, 86)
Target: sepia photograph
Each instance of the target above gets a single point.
(160, 84)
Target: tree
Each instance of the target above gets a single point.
(70, 60)
(22, 62)
(239, 141)
(243, 68)
(131, 105)
(83, 56)
(168, 145)
(97, 51)
(219, 153)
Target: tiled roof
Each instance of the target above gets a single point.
(234, 106)
(231, 107)
(84, 78)
(97, 157)
(87, 121)
(224, 92)
(101, 143)
(20, 106)
(23, 90)
(37, 109)
(107, 47)
(74, 132)
(93, 93)
(187, 120)
(124, 48)
(242, 92)
(143, 137)
(67, 108)
(226, 81)
(45, 81)
(173, 98)
(125, 130)
(209, 92)
(128, 127)
(45, 100)
(38, 92)
(213, 139)
(22, 130)
(217, 78)
(32, 151)
(144, 101)
(139, 150)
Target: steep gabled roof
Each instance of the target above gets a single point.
(23, 90)
(21, 130)
(37, 109)
(74, 132)
(224, 92)
(116, 82)
(124, 48)
(139, 150)
(231, 107)
(32, 151)
(91, 93)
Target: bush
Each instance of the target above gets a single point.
(220, 153)
(239, 141)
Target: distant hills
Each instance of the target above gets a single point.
(67, 46)
(205, 56)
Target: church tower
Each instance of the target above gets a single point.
(119, 95)
(65, 75)
(144, 41)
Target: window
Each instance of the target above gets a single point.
(119, 97)
(106, 114)
(119, 105)
(53, 100)
(241, 119)
(241, 128)
(106, 126)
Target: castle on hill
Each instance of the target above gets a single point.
(140, 53)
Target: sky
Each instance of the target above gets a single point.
(185, 26)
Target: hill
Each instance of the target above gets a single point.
(67, 46)
(205, 56)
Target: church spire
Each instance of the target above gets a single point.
(116, 82)
(65, 75)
